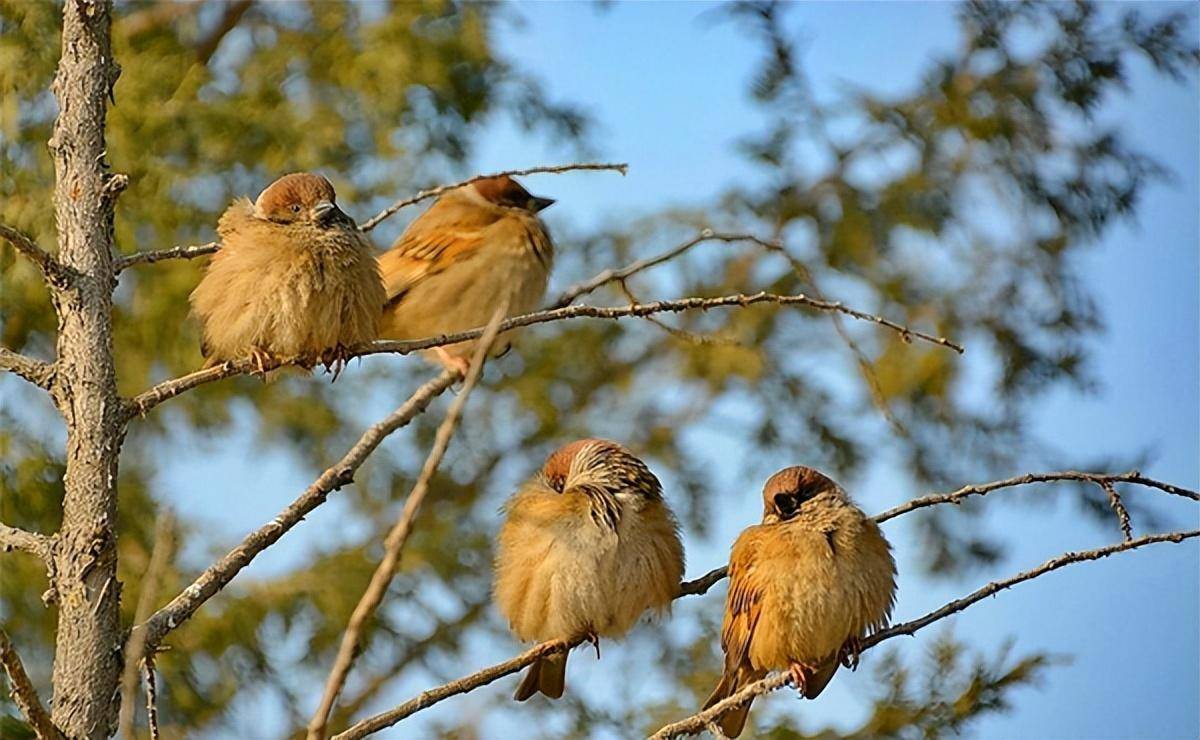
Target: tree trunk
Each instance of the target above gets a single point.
(87, 660)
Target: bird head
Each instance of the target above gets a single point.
(301, 197)
(601, 466)
(786, 492)
(506, 192)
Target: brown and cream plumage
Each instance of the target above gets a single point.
(477, 248)
(804, 587)
(587, 547)
(294, 279)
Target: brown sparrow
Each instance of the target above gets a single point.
(587, 546)
(805, 587)
(294, 280)
(475, 248)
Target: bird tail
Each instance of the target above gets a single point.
(547, 675)
(734, 720)
(820, 679)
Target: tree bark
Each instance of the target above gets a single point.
(87, 660)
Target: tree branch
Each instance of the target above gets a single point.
(55, 272)
(22, 691)
(398, 537)
(148, 399)
(37, 372)
(160, 557)
(956, 497)
(463, 685)
(697, 722)
(614, 275)
(434, 192)
(217, 575)
(701, 585)
(174, 253)
(151, 696)
(13, 538)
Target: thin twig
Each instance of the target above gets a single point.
(37, 372)
(55, 272)
(610, 275)
(148, 399)
(161, 553)
(398, 536)
(174, 253)
(463, 685)
(965, 492)
(701, 585)
(1114, 500)
(22, 692)
(151, 696)
(697, 722)
(217, 575)
(434, 192)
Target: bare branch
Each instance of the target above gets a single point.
(1114, 500)
(398, 536)
(697, 722)
(36, 372)
(956, 497)
(613, 275)
(217, 575)
(151, 696)
(174, 253)
(148, 399)
(701, 585)
(463, 685)
(434, 192)
(160, 557)
(22, 691)
(13, 538)
(55, 272)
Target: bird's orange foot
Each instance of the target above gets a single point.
(848, 655)
(261, 359)
(459, 364)
(801, 674)
(594, 638)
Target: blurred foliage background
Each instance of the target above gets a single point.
(215, 100)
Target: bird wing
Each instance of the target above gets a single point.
(743, 606)
(444, 235)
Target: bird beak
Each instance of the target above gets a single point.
(541, 203)
(321, 209)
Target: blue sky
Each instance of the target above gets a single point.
(667, 86)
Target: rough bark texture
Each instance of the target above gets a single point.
(87, 660)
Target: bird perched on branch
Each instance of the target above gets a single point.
(294, 280)
(805, 587)
(587, 546)
(475, 247)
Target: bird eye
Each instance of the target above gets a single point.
(295, 208)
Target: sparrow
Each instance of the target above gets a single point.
(475, 248)
(805, 587)
(294, 280)
(588, 545)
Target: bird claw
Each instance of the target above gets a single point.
(849, 653)
(594, 638)
(800, 674)
(261, 358)
(335, 360)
